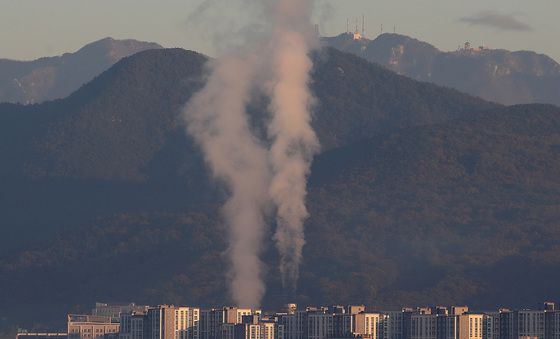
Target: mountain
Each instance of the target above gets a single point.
(93, 144)
(420, 195)
(51, 78)
(493, 74)
(464, 211)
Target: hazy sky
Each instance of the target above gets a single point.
(35, 28)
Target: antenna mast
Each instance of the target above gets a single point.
(363, 26)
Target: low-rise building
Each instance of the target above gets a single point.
(41, 335)
(92, 327)
(115, 310)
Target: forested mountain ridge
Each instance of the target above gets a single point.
(420, 195)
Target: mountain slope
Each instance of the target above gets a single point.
(119, 142)
(461, 212)
(429, 214)
(56, 77)
(100, 131)
(421, 195)
(496, 75)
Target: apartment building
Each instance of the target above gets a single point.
(423, 326)
(319, 326)
(394, 325)
(132, 326)
(187, 323)
(160, 323)
(552, 324)
(491, 326)
(447, 325)
(470, 326)
(369, 325)
(295, 325)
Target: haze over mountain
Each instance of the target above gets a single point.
(421, 195)
(51, 78)
(493, 74)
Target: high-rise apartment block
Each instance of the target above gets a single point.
(132, 326)
(491, 326)
(423, 325)
(394, 325)
(319, 326)
(470, 326)
(447, 325)
(552, 324)
(369, 325)
(187, 323)
(160, 323)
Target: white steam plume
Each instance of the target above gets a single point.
(294, 141)
(217, 120)
(274, 61)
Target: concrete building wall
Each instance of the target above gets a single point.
(552, 325)
(394, 325)
(268, 330)
(319, 326)
(247, 331)
(280, 332)
(227, 331)
(132, 326)
(423, 326)
(447, 327)
(471, 326)
(160, 323)
(210, 322)
(368, 325)
(91, 327)
(530, 323)
(115, 311)
(295, 325)
(204, 324)
(187, 323)
(234, 315)
(355, 309)
(491, 326)
(459, 310)
(343, 325)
